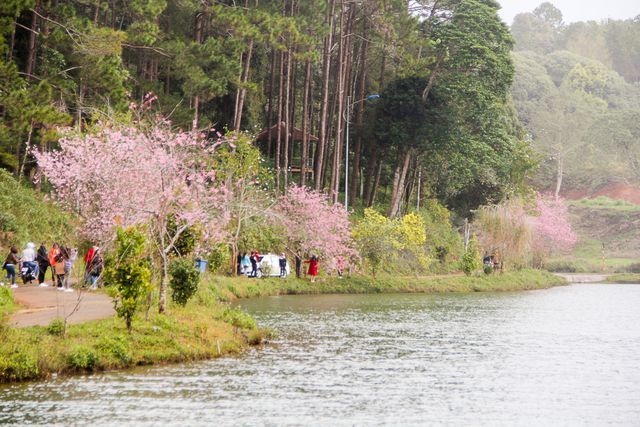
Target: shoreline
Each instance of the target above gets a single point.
(207, 327)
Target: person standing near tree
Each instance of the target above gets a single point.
(95, 269)
(53, 255)
(42, 258)
(72, 255)
(313, 267)
(59, 267)
(283, 265)
(88, 258)
(254, 264)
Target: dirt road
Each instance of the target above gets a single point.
(41, 305)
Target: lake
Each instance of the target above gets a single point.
(563, 356)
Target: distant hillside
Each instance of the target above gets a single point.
(604, 223)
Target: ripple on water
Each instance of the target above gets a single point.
(561, 356)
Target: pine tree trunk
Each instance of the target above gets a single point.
(399, 177)
(280, 123)
(357, 149)
(326, 74)
(31, 47)
(305, 125)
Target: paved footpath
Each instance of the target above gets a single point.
(39, 306)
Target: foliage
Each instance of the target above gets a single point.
(552, 231)
(311, 225)
(90, 172)
(27, 216)
(504, 231)
(128, 271)
(188, 239)
(184, 281)
(471, 260)
(179, 188)
(56, 327)
(393, 244)
(443, 242)
(82, 358)
(239, 318)
(218, 257)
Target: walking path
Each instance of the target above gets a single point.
(42, 305)
(583, 277)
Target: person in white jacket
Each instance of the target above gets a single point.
(29, 258)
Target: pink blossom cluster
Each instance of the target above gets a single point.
(552, 231)
(313, 226)
(126, 177)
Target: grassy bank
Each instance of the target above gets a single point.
(207, 327)
(623, 278)
(204, 329)
(226, 289)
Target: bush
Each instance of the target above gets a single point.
(17, 367)
(128, 271)
(184, 281)
(82, 358)
(471, 261)
(218, 257)
(56, 327)
(238, 318)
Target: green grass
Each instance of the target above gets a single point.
(587, 258)
(229, 289)
(194, 332)
(623, 278)
(7, 305)
(603, 202)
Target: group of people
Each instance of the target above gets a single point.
(249, 264)
(34, 265)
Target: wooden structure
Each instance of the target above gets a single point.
(296, 135)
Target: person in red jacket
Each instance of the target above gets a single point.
(313, 267)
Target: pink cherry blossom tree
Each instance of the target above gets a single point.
(552, 231)
(128, 177)
(313, 226)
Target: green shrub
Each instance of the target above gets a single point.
(129, 272)
(82, 358)
(471, 261)
(56, 327)
(218, 258)
(117, 346)
(17, 367)
(239, 318)
(184, 281)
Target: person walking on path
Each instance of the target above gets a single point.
(313, 267)
(42, 257)
(10, 263)
(72, 255)
(53, 255)
(59, 266)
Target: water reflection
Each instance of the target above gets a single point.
(561, 356)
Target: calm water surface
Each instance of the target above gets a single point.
(564, 356)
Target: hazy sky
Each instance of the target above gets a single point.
(575, 10)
